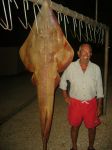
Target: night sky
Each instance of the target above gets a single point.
(86, 7)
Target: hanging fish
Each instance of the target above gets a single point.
(46, 53)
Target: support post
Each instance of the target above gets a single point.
(106, 70)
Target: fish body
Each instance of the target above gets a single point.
(46, 53)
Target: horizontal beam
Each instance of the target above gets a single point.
(68, 12)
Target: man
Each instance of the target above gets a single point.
(85, 95)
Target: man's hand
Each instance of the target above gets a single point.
(66, 96)
(99, 111)
(67, 100)
(100, 107)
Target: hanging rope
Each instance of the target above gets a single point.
(35, 15)
(5, 24)
(91, 27)
(26, 7)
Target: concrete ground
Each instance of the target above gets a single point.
(19, 119)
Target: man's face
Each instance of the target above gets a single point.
(85, 53)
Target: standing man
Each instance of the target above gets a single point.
(85, 96)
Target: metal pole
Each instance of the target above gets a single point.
(106, 70)
(66, 11)
(96, 11)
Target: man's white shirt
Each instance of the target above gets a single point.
(83, 85)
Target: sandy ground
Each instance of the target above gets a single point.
(22, 130)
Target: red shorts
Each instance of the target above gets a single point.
(86, 111)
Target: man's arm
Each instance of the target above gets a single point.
(100, 94)
(100, 106)
(66, 96)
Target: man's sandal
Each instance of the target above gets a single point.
(73, 149)
(90, 148)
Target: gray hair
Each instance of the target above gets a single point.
(85, 44)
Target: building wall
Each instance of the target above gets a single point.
(10, 62)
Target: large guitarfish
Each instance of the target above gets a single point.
(46, 52)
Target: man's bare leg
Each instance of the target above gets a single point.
(74, 136)
(91, 135)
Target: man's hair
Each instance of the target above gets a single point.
(85, 44)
